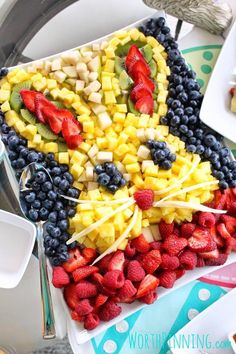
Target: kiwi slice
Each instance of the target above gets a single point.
(155, 107)
(122, 99)
(62, 147)
(131, 107)
(153, 68)
(15, 99)
(59, 105)
(45, 132)
(147, 52)
(125, 80)
(28, 116)
(119, 65)
(122, 50)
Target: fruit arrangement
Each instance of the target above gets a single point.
(148, 189)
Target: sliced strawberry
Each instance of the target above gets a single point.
(139, 91)
(140, 244)
(149, 283)
(100, 300)
(151, 261)
(218, 239)
(70, 125)
(75, 261)
(43, 108)
(200, 241)
(145, 105)
(140, 78)
(76, 317)
(74, 141)
(70, 296)
(220, 260)
(230, 223)
(139, 66)
(210, 255)
(220, 200)
(221, 228)
(84, 272)
(28, 97)
(133, 56)
(117, 261)
(89, 253)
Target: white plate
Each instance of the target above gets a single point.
(17, 239)
(215, 110)
(217, 321)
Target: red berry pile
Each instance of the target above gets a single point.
(93, 293)
(59, 120)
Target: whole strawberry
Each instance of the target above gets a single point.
(144, 198)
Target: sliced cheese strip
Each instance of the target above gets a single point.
(181, 180)
(189, 205)
(90, 228)
(185, 190)
(81, 201)
(123, 236)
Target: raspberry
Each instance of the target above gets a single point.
(59, 277)
(155, 245)
(169, 262)
(140, 244)
(70, 296)
(188, 259)
(173, 244)
(149, 298)
(108, 311)
(114, 279)
(167, 278)
(179, 272)
(135, 271)
(85, 289)
(130, 250)
(144, 198)
(165, 229)
(83, 307)
(151, 261)
(91, 321)
(220, 260)
(104, 263)
(187, 229)
(206, 219)
(74, 315)
(200, 262)
(127, 291)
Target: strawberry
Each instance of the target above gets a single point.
(56, 118)
(71, 130)
(169, 262)
(221, 228)
(186, 229)
(140, 244)
(149, 298)
(151, 261)
(145, 105)
(127, 291)
(59, 277)
(74, 315)
(230, 223)
(139, 91)
(174, 244)
(100, 300)
(133, 56)
(188, 259)
(89, 254)
(218, 239)
(109, 310)
(206, 219)
(220, 200)
(231, 91)
(165, 229)
(117, 261)
(210, 255)
(91, 321)
(149, 283)
(130, 250)
(75, 261)
(85, 289)
(144, 198)
(104, 263)
(139, 66)
(201, 240)
(135, 271)
(43, 108)
(74, 141)
(83, 307)
(140, 78)
(113, 279)
(220, 260)
(70, 296)
(167, 278)
(84, 272)
(28, 98)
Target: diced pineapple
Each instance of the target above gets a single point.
(51, 147)
(30, 131)
(76, 170)
(133, 168)
(4, 95)
(5, 107)
(63, 158)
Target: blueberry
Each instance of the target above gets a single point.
(150, 143)
(165, 30)
(58, 205)
(225, 169)
(71, 212)
(217, 165)
(1, 119)
(112, 188)
(184, 119)
(176, 104)
(5, 128)
(36, 204)
(56, 171)
(32, 156)
(189, 133)
(172, 157)
(164, 120)
(13, 142)
(53, 243)
(122, 182)
(41, 195)
(64, 237)
(233, 183)
(43, 214)
(33, 214)
(229, 176)
(110, 168)
(160, 22)
(198, 133)
(49, 228)
(47, 186)
(193, 103)
(232, 165)
(194, 95)
(209, 140)
(174, 53)
(224, 152)
(52, 195)
(35, 186)
(12, 155)
(183, 97)
(207, 153)
(188, 111)
(170, 114)
(64, 168)
(183, 128)
(73, 193)
(166, 164)
(50, 157)
(217, 147)
(159, 155)
(200, 149)
(219, 175)
(214, 157)
(52, 164)
(55, 261)
(12, 133)
(48, 204)
(179, 88)
(55, 232)
(116, 179)
(63, 224)
(13, 164)
(3, 72)
(223, 185)
(63, 257)
(159, 144)
(24, 152)
(172, 92)
(62, 214)
(191, 148)
(46, 239)
(20, 163)
(103, 179)
(68, 176)
(225, 160)
(52, 217)
(30, 198)
(192, 119)
(179, 112)
(56, 181)
(62, 249)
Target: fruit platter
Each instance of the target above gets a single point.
(142, 193)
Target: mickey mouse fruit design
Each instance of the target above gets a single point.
(150, 189)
